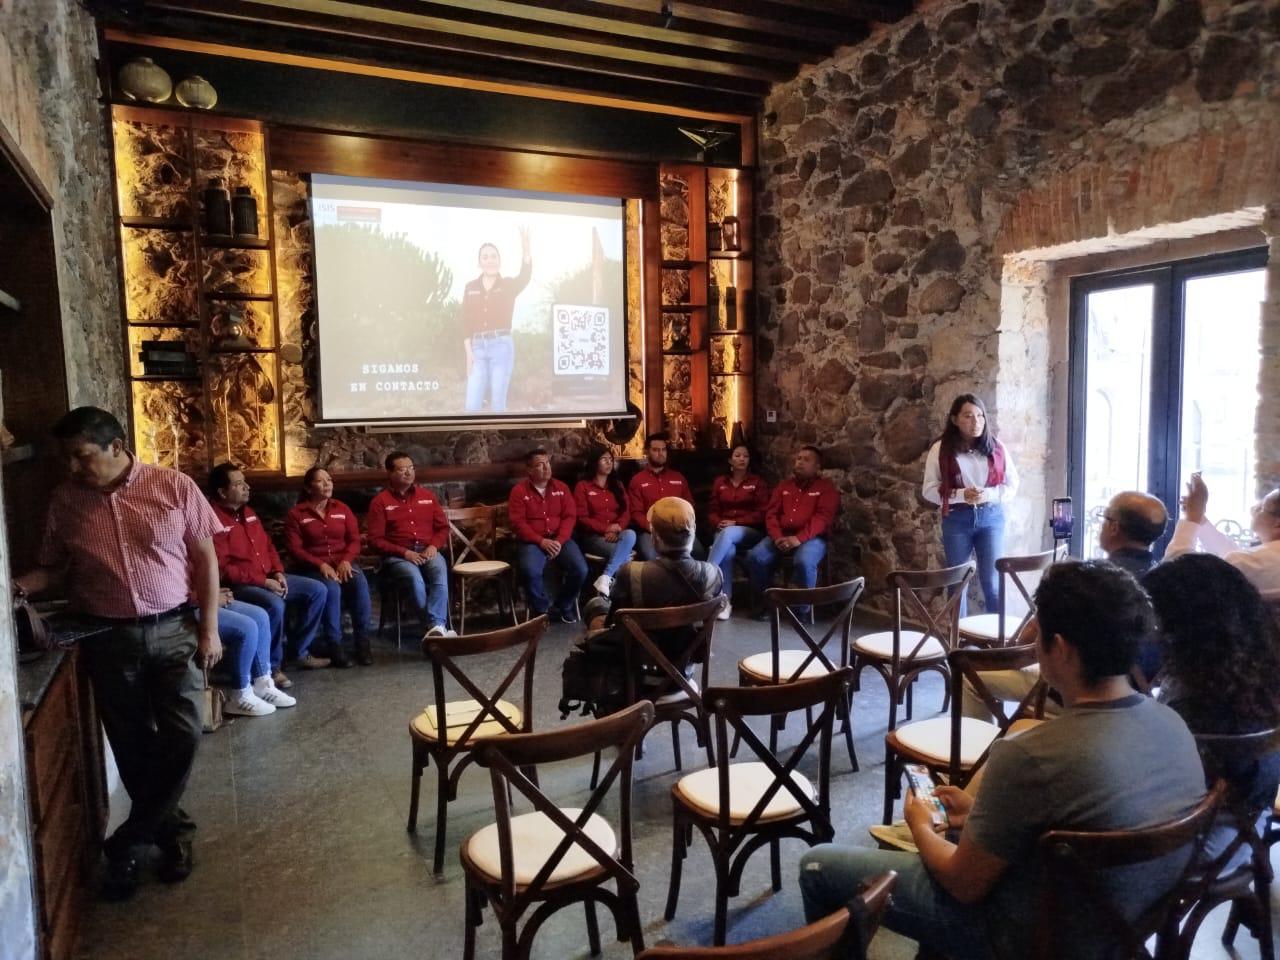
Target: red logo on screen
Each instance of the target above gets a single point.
(360, 214)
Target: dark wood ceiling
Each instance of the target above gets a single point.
(719, 56)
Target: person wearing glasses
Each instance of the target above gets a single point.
(1260, 564)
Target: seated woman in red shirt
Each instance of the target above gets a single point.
(602, 516)
(322, 535)
(738, 502)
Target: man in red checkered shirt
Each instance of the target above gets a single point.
(122, 535)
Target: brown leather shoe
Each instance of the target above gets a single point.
(311, 662)
(281, 681)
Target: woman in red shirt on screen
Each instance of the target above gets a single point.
(602, 516)
(738, 502)
(323, 536)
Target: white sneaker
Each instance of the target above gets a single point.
(266, 691)
(450, 633)
(896, 836)
(438, 631)
(603, 585)
(244, 703)
(725, 612)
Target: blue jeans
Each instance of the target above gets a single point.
(573, 574)
(355, 593)
(725, 547)
(830, 876)
(615, 554)
(491, 361)
(763, 557)
(645, 549)
(976, 531)
(245, 632)
(428, 585)
(305, 596)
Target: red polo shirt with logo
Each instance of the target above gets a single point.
(648, 487)
(803, 511)
(598, 507)
(246, 555)
(535, 516)
(743, 505)
(398, 521)
(328, 537)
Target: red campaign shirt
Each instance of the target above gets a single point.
(801, 511)
(396, 523)
(126, 551)
(647, 488)
(743, 505)
(538, 516)
(245, 553)
(598, 507)
(329, 538)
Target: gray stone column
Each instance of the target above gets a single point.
(1267, 436)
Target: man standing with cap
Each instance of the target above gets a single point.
(125, 534)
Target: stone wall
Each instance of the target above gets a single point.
(49, 108)
(905, 181)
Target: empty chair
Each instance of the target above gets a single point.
(999, 628)
(813, 658)
(553, 856)
(451, 729)
(842, 935)
(902, 653)
(472, 558)
(740, 807)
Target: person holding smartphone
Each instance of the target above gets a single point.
(970, 475)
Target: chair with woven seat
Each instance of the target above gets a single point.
(667, 681)
(468, 722)
(472, 558)
(775, 665)
(901, 654)
(992, 629)
(841, 935)
(958, 745)
(740, 807)
(553, 856)
(1073, 860)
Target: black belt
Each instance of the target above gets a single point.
(973, 506)
(148, 619)
(490, 334)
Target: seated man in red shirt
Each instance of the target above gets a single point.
(542, 513)
(797, 520)
(409, 528)
(653, 482)
(249, 565)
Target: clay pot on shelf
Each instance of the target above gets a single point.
(195, 91)
(142, 79)
(217, 209)
(244, 213)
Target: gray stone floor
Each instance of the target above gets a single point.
(302, 850)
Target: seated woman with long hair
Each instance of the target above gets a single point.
(1220, 656)
(602, 529)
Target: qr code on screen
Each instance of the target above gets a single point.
(581, 340)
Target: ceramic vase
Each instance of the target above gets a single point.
(196, 91)
(141, 79)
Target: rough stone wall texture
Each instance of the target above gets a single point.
(49, 108)
(897, 178)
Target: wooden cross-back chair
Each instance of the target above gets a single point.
(841, 935)
(992, 629)
(654, 676)
(959, 745)
(473, 559)
(813, 659)
(553, 857)
(449, 730)
(901, 654)
(1073, 859)
(740, 807)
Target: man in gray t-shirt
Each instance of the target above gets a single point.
(1113, 760)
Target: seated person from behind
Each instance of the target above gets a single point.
(542, 515)
(1260, 564)
(1221, 656)
(651, 483)
(603, 518)
(1132, 522)
(1114, 760)
(672, 579)
(738, 502)
(796, 521)
(249, 565)
(409, 528)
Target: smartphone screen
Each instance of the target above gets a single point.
(1061, 518)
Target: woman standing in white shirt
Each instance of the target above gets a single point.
(970, 475)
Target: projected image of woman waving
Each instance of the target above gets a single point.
(487, 305)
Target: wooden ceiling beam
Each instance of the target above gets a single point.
(488, 54)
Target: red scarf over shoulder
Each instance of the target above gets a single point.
(949, 468)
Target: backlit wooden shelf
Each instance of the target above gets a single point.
(727, 255)
(680, 264)
(154, 377)
(229, 295)
(157, 223)
(681, 307)
(235, 243)
(167, 325)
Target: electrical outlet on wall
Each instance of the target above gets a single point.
(771, 416)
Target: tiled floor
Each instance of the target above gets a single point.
(302, 850)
